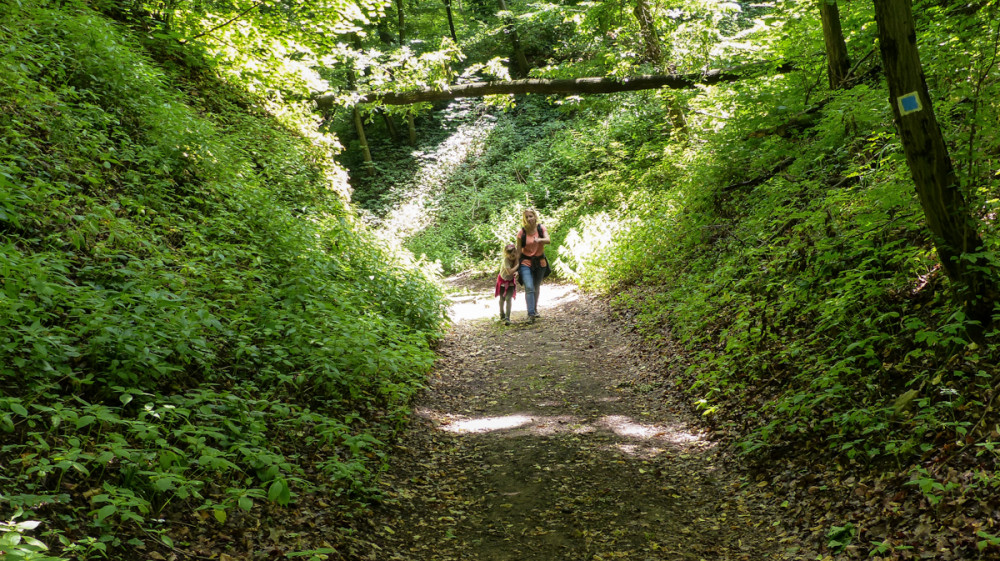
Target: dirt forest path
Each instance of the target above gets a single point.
(552, 441)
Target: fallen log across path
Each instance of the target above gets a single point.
(592, 85)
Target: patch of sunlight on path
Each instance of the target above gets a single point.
(644, 437)
(484, 305)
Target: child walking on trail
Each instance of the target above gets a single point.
(507, 281)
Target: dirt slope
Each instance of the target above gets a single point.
(553, 440)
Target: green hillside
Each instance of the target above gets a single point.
(218, 297)
(192, 320)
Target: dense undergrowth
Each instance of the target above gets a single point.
(192, 321)
(560, 159)
(775, 233)
(820, 326)
(196, 328)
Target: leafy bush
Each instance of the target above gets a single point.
(811, 302)
(561, 160)
(187, 303)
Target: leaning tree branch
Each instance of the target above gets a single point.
(567, 86)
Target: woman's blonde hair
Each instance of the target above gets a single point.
(524, 221)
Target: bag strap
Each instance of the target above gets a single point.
(524, 235)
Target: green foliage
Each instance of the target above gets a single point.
(478, 209)
(989, 540)
(188, 307)
(17, 545)
(561, 160)
(840, 537)
(931, 488)
(814, 292)
(798, 267)
(769, 226)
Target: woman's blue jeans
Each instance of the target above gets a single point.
(532, 288)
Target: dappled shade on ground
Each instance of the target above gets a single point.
(555, 440)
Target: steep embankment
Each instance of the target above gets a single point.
(192, 325)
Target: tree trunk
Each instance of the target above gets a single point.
(652, 42)
(838, 64)
(390, 124)
(360, 127)
(675, 110)
(520, 61)
(402, 20)
(949, 217)
(568, 86)
(451, 20)
(412, 129)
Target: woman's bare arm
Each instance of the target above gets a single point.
(544, 238)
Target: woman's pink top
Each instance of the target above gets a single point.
(531, 246)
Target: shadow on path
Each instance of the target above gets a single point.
(555, 440)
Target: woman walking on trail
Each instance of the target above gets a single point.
(531, 241)
(506, 287)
